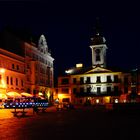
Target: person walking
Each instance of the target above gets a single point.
(35, 109)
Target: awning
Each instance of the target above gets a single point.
(26, 94)
(3, 96)
(40, 97)
(13, 95)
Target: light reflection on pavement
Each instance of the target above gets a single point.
(72, 124)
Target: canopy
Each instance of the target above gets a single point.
(26, 94)
(3, 96)
(40, 97)
(13, 95)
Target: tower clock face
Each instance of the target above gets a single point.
(97, 52)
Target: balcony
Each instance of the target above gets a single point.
(97, 94)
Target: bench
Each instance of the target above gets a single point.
(41, 109)
(19, 113)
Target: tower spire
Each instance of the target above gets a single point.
(97, 26)
(98, 47)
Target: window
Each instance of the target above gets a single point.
(81, 89)
(65, 90)
(11, 80)
(16, 82)
(22, 83)
(88, 80)
(7, 79)
(81, 80)
(116, 79)
(74, 90)
(88, 89)
(125, 89)
(109, 79)
(74, 80)
(28, 66)
(108, 90)
(133, 90)
(98, 51)
(98, 79)
(28, 79)
(116, 89)
(125, 80)
(17, 67)
(98, 90)
(13, 66)
(65, 81)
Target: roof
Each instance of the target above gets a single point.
(97, 40)
(90, 70)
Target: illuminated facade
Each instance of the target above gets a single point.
(31, 72)
(39, 68)
(96, 84)
(12, 72)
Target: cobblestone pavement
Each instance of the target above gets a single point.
(77, 124)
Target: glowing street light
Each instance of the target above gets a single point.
(2, 70)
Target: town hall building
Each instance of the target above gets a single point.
(95, 84)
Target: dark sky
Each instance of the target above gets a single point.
(68, 26)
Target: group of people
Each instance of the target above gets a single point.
(36, 109)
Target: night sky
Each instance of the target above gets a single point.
(68, 26)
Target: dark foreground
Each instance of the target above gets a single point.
(72, 124)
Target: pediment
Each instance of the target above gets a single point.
(98, 70)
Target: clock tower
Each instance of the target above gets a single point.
(98, 48)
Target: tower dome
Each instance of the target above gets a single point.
(97, 39)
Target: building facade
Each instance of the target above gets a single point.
(39, 69)
(31, 72)
(12, 72)
(95, 84)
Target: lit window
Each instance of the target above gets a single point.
(97, 101)
(116, 101)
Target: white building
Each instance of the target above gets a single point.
(95, 84)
